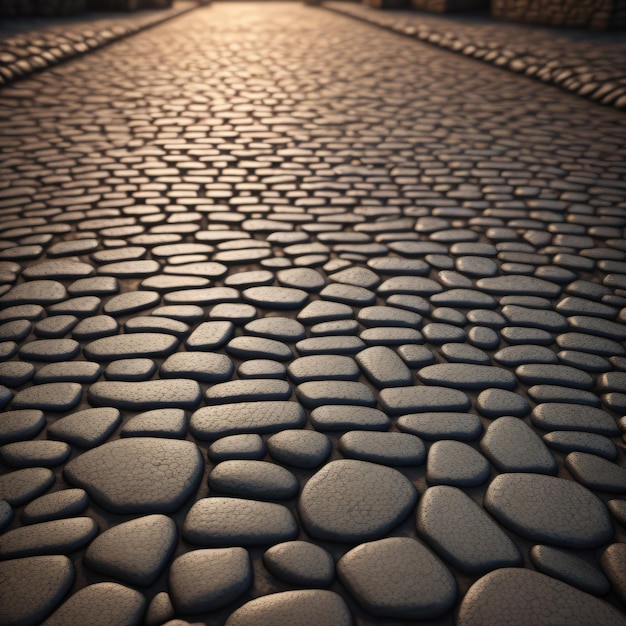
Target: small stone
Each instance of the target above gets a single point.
(531, 598)
(467, 376)
(403, 400)
(225, 522)
(613, 560)
(384, 448)
(133, 396)
(301, 448)
(595, 472)
(398, 577)
(444, 425)
(33, 587)
(57, 505)
(351, 500)
(493, 403)
(300, 563)
(237, 447)
(134, 552)
(572, 570)
(548, 509)
(512, 446)
(55, 537)
(138, 475)
(22, 486)
(573, 441)
(101, 604)
(462, 533)
(207, 580)
(213, 422)
(307, 607)
(344, 417)
(564, 416)
(49, 397)
(130, 370)
(208, 367)
(87, 428)
(253, 479)
(20, 425)
(39, 453)
(456, 463)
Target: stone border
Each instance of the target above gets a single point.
(60, 42)
(606, 92)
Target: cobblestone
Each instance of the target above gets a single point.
(292, 283)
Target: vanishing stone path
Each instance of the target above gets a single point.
(306, 323)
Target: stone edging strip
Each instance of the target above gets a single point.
(27, 53)
(606, 92)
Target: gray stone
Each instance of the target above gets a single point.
(323, 367)
(533, 374)
(280, 328)
(564, 416)
(138, 475)
(512, 446)
(352, 500)
(39, 453)
(49, 397)
(134, 345)
(467, 376)
(573, 441)
(526, 598)
(317, 393)
(462, 533)
(207, 580)
(208, 367)
(444, 425)
(137, 396)
(403, 400)
(167, 423)
(34, 292)
(101, 604)
(300, 563)
(596, 472)
(398, 577)
(226, 522)
(493, 403)
(243, 347)
(572, 570)
(522, 285)
(261, 368)
(57, 505)
(456, 463)
(384, 448)
(213, 422)
(241, 447)
(87, 428)
(22, 486)
(384, 368)
(253, 479)
(337, 344)
(343, 417)
(210, 336)
(134, 552)
(613, 559)
(130, 369)
(262, 390)
(20, 425)
(276, 297)
(33, 587)
(301, 448)
(547, 509)
(307, 607)
(55, 537)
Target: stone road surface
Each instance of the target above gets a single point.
(303, 322)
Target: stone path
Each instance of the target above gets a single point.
(590, 64)
(303, 322)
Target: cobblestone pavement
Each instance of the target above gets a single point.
(307, 323)
(590, 64)
(29, 45)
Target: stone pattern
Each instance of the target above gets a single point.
(24, 53)
(308, 339)
(597, 15)
(590, 64)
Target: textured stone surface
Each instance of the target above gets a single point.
(235, 522)
(133, 552)
(138, 475)
(308, 607)
(162, 199)
(353, 500)
(523, 597)
(33, 587)
(398, 577)
(101, 604)
(462, 533)
(553, 510)
(300, 563)
(205, 580)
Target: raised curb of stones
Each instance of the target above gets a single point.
(90, 43)
(497, 56)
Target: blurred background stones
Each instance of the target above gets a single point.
(60, 8)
